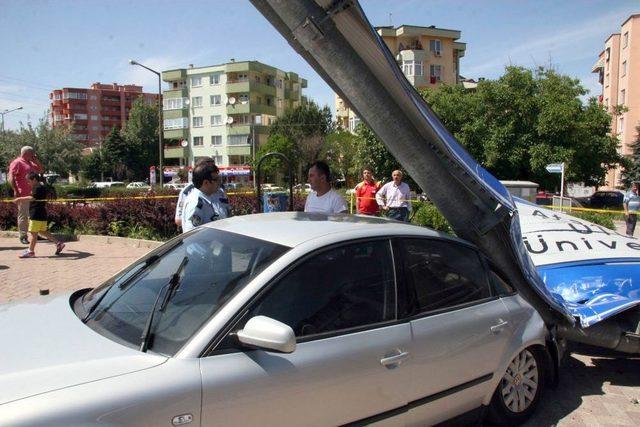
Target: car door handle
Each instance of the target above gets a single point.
(395, 360)
(496, 329)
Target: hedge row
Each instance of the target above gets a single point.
(136, 218)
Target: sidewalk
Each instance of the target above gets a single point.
(595, 390)
(82, 264)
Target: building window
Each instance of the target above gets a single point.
(216, 120)
(243, 77)
(244, 98)
(412, 68)
(214, 79)
(624, 68)
(435, 46)
(196, 81)
(623, 94)
(94, 117)
(79, 117)
(435, 73)
(198, 141)
(217, 160)
(173, 103)
(279, 83)
(216, 100)
(57, 97)
(238, 140)
(196, 101)
(354, 121)
(625, 39)
(621, 123)
(179, 123)
(198, 122)
(76, 95)
(216, 139)
(606, 80)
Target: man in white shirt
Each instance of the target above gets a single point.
(323, 198)
(206, 202)
(394, 196)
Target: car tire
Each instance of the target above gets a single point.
(520, 389)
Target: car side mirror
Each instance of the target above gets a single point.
(269, 334)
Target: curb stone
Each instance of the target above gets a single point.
(110, 240)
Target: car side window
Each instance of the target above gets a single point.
(341, 288)
(441, 275)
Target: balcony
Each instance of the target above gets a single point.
(251, 108)
(176, 133)
(174, 75)
(250, 86)
(246, 129)
(176, 93)
(175, 152)
(175, 114)
(239, 150)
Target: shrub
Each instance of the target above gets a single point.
(603, 219)
(428, 215)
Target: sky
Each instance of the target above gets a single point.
(51, 44)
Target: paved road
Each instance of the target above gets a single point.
(595, 389)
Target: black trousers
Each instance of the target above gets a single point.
(631, 220)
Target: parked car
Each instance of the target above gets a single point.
(175, 185)
(281, 319)
(138, 184)
(107, 184)
(302, 188)
(606, 199)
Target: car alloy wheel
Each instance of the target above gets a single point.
(520, 383)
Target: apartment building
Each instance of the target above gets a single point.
(428, 57)
(618, 69)
(224, 111)
(95, 111)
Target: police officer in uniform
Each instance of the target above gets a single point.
(182, 197)
(206, 202)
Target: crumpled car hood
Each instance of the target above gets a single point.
(45, 347)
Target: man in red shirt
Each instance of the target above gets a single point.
(18, 171)
(366, 194)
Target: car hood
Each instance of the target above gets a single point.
(46, 347)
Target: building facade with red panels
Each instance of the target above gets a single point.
(95, 111)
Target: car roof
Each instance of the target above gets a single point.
(293, 228)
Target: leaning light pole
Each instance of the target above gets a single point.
(160, 147)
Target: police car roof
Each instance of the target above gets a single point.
(293, 228)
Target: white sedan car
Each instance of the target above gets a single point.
(282, 319)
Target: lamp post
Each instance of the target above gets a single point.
(2, 113)
(160, 147)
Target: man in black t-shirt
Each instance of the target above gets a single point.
(37, 216)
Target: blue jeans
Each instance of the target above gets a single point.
(401, 214)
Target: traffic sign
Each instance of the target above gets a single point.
(555, 167)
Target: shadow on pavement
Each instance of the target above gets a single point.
(69, 254)
(4, 267)
(14, 248)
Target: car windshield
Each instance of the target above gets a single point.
(219, 264)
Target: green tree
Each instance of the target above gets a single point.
(115, 154)
(632, 169)
(279, 144)
(306, 127)
(516, 125)
(340, 152)
(141, 136)
(371, 152)
(56, 149)
(93, 167)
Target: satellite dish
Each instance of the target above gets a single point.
(229, 120)
(232, 100)
(184, 143)
(186, 102)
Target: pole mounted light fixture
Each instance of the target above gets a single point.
(3, 113)
(160, 147)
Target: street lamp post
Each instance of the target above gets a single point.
(2, 113)
(160, 147)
